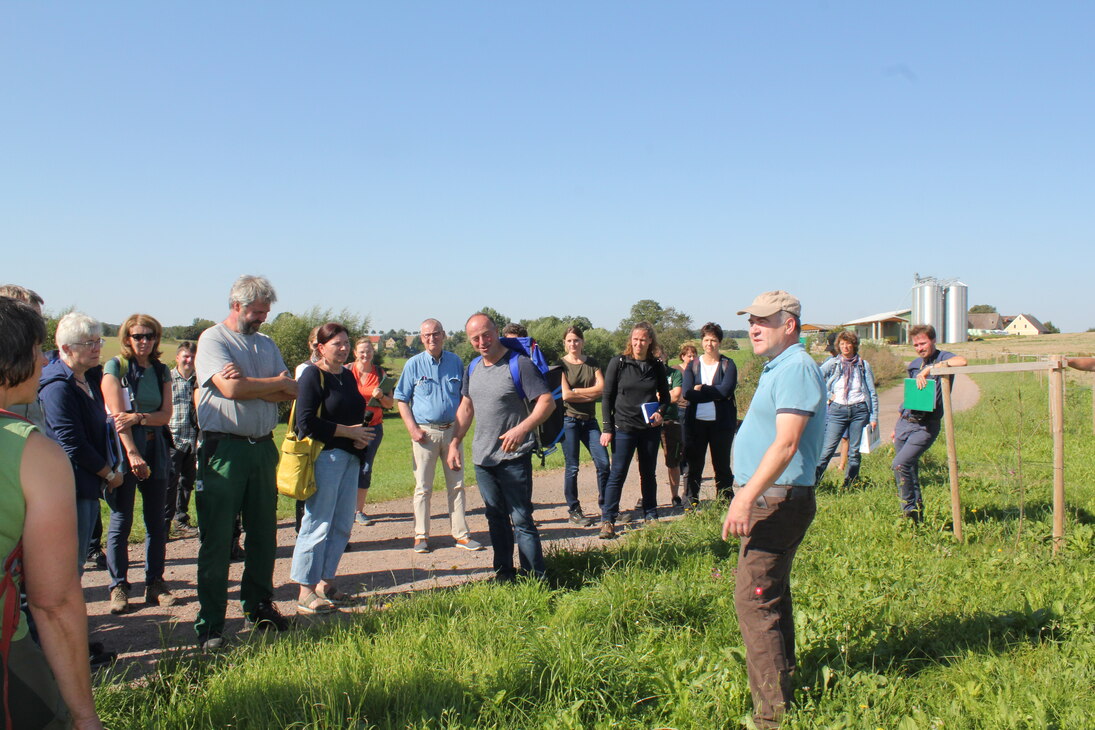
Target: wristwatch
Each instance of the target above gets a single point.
(110, 475)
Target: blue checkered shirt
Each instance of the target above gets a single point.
(184, 422)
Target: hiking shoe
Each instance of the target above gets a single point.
(212, 643)
(156, 593)
(180, 530)
(363, 519)
(95, 560)
(676, 501)
(468, 544)
(577, 518)
(119, 599)
(639, 505)
(608, 531)
(421, 545)
(267, 617)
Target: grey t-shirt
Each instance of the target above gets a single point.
(257, 357)
(498, 408)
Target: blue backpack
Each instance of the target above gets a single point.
(550, 432)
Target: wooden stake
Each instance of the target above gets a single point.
(1057, 416)
(952, 458)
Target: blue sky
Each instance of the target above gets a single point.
(406, 160)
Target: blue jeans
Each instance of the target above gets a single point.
(507, 498)
(578, 431)
(624, 446)
(86, 512)
(840, 418)
(153, 496)
(910, 441)
(328, 518)
(365, 478)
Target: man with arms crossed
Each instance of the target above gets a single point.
(241, 379)
(427, 395)
(503, 444)
(775, 457)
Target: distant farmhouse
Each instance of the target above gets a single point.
(1026, 324)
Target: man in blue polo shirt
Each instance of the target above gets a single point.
(775, 459)
(427, 396)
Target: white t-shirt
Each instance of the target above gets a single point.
(706, 411)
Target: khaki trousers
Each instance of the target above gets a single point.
(425, 457)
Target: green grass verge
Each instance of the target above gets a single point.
(898, 626)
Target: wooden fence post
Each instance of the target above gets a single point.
(952, 458)
(1057, 417)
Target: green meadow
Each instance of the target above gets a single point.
(898, 626)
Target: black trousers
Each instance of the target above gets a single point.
(701, 437)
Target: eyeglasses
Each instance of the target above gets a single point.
(433, 334)
(143, 337)
(89, 343)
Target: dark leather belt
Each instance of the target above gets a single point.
(219, 435)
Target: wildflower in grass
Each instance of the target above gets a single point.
(716, 574)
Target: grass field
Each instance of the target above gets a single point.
(898, 626)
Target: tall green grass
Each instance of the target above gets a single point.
(898, 626)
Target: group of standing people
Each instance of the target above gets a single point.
(130, 425)
(641, 398)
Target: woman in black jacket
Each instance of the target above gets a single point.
(712, 415)
(634, 380)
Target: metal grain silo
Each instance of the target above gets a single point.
(956, 324)
(928, 304)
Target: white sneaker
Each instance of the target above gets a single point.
(468, 544)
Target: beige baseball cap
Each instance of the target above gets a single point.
(770, 302)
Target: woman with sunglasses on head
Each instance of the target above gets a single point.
(48, 686)
(137, 389)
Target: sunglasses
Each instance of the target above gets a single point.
(143, 337)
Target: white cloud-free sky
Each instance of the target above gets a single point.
(406, 160)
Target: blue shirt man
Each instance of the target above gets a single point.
(427, 395)
(775, 456)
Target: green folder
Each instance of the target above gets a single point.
(919, 400)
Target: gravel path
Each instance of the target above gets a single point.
(380, 562)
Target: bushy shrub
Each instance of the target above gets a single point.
(888, 368)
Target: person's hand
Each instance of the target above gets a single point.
(874, 425)
(455, 456)
(377, 393)
(606, 440)
(419, 436)
(893, 435)
(697, 386)
(231, 371)
(656, 419)
(737, 518)
(362, 436)
(122, 421)
(138, 465)
(288, 385)
(116, 481)
(513, 438)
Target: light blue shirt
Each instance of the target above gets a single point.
(789, 383)
(431, 388)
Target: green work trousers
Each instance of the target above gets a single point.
(234, 476)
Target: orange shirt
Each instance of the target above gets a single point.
(366, 384)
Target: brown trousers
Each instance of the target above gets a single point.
(762, 597)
